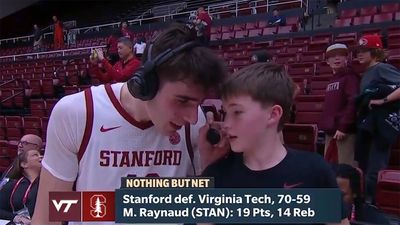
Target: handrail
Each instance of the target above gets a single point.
(7, 82)
(139, 21)
(50, 52)
(12, 96)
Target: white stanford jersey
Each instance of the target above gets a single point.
(97, 153)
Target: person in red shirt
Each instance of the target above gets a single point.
(338, 118)
(203, 25)
(112, 47)
(125, 30)
(58, 33)
(123, 70)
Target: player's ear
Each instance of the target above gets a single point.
(274, 115)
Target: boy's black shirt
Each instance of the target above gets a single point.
(299, 169)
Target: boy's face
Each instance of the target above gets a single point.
(344, 185)
(337, 61)
(364, 56)
(175, 104)
(246, 122)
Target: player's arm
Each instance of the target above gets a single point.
(60, 162)
(48, 183)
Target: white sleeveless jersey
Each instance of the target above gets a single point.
(116, 145)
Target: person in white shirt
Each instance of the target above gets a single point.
(139, 47)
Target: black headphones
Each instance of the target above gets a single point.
(145, 82)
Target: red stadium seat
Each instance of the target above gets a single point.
(379, 18)
(348, 13)
(45, 121)
(227, 35)
(307, 117)
(301, 40)
(215, 37)
(241, 34)
(215, 29)
(397, 16)
(14, 126)
(263, 23)
(2, 128)
(361, 20)
(301, 136)
(388, 191)
(38, 107)
(301, 69)
(344, 22)
(270, 30)
(284, 29)
(368, 11)
(311, 57)
(251, 25)
(390, 7)
(32, 125)
(226, 28)
(237, 27)
(255, 32)
(286, 58)
(294, 48)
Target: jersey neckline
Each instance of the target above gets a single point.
(123, 112)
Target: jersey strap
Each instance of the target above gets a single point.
(89, 123)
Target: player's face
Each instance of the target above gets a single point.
(344, 185)
(337, 61)
(364, 57)
(246, 122)
(175, 104)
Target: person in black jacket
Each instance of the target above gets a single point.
(18, 197)
(372, 145)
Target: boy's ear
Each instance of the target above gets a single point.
(275, 114)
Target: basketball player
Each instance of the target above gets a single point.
(137, 128)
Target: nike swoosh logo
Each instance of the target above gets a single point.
(102, 129)
(285, 185)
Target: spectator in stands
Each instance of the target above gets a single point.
(71, 37)
(29, 141)
(112, 46)
(123, 70)
(139, 47)
(350, 183)
(338, 118)
(18, 197)
(37, 38)
(203, 24)
(125, 30)
(378, 111)
(277, 19)
(58, 33)
(259, 96)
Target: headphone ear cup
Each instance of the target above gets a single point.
(136, 85)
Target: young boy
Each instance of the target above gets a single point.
(338, 118)
(259, 96)
(111, 131)
(373, 144)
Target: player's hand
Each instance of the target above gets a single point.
(339, 135)
(100, 54)
(210, 153)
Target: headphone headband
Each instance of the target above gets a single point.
(144, 84)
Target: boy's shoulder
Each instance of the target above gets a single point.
(295, 160)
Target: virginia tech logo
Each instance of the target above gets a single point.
(65, 206)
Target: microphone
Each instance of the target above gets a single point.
(213, 136)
